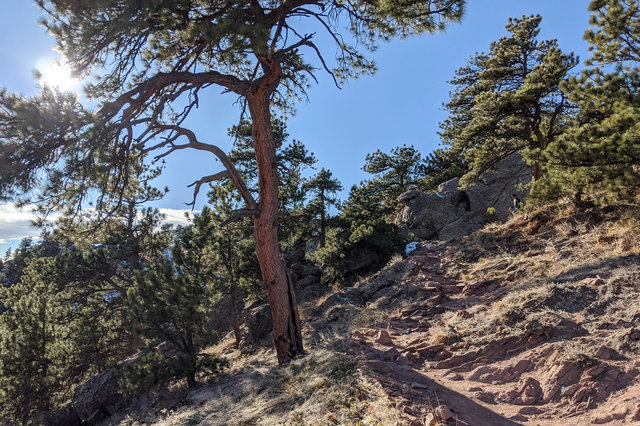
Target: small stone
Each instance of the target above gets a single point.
(476, 389)
(407, 312)
(579, 319)
(433, 286)
(430, 350)
(619, 415)
(594, 371)
(609, 354)
(636, 415)
(580, 394)
(383, 338)
(509, 397)
(601, 419)
(530, 410)
(593, 281)
(518, 418)
(569, 391)
(487, 397)
(390, 354)
(416, 385)
(530, 387)
(442, 412)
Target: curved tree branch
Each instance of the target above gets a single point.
(137, 96)
(233, 174)
(211, 178)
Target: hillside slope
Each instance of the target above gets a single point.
(526, 322)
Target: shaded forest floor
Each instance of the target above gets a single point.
(527, 322)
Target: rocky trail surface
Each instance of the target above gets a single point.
(525, 375)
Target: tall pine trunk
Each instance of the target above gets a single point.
(287, 335)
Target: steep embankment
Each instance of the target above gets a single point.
(542, 323)
(528, 322)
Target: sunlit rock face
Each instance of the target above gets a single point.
(452, 213)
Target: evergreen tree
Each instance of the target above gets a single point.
(396, 172)
(33, 343)
(363, 237)
(600, 153)
(324, 186)
(365, 225)
(150, 63)
(509, 100)
(16, 263)
(64, 319)
(442, 165)
(615, 37)
(231, 250)
(169, 303)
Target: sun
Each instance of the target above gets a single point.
(56, 74)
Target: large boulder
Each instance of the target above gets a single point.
(452, 213)
(99, 397)
(259, 323)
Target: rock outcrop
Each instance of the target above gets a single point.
(451, 213)
(99, 397)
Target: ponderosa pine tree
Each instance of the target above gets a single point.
(361, 238)
(396, 172)
(441, 165)
(292, 159)
(600, 153)
(33, 342)
(615, 38)
(364, 228)
(169, 303)
(231, 251)
(324, 186)
(150, 64)
(509, 100)
(65, 318)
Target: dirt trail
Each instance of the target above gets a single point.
(521, 378)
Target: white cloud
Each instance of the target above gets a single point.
(177, 216)
(15, 223)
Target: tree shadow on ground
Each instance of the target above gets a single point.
(598, 268)
(420, 394)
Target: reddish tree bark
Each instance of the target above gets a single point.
(287, 335)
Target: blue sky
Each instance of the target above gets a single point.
(400, 104)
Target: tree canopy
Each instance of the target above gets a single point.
(600, 152)
(508, 99)
(150, 62)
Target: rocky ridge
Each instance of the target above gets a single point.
(451, 213)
